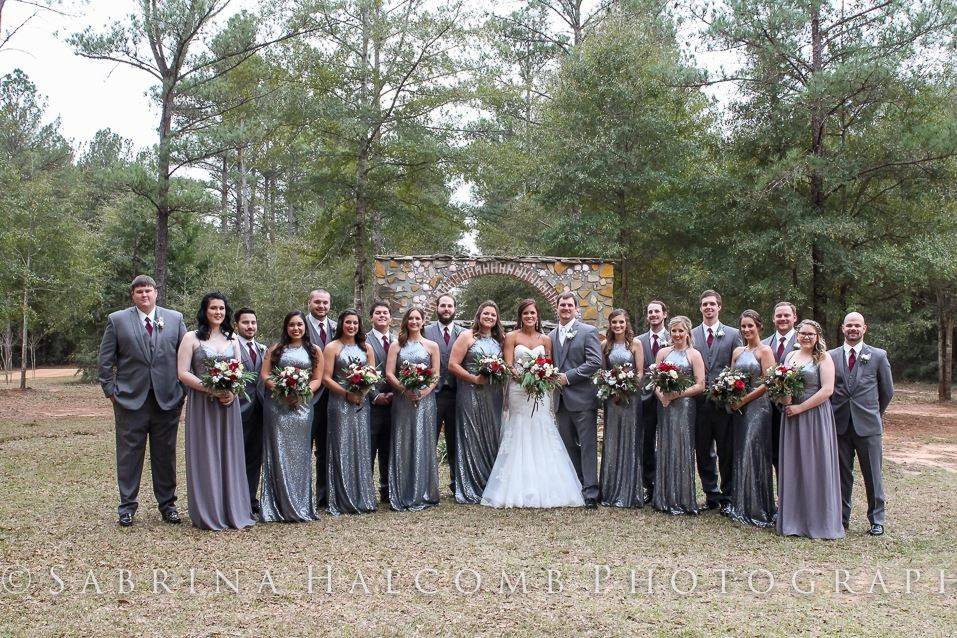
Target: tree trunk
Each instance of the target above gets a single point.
(360, 231)
(945, 344)
(162, 192)
(816, 193)
(224, 195)
(6, 350)
(25, 315)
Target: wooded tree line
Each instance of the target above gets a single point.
(296, 142)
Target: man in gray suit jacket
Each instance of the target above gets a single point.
(863, 388)
(381, 340)
(577, 354)
(137, 371)
(444, 332)
(252, 408)
(713, 436)
(781, 343)
(321, 330)
(656, 314)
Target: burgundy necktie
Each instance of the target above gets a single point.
(710, 337)
(851, 360)
(385, 344)
(781, 350)
(447, 337)
(252, 352)
(149, 327)
(322, 332)
(655, 346)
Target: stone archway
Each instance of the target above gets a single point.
(402, 281)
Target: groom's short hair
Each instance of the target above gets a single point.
(243, 311)
(568, 295)
(141, 281)
(710, 293)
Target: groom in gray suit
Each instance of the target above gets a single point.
(321, 330)
(444, 332)
(656, 313)
(713, 436)
(577, 354)
(137, 371)
(381, 339)
(863, 388)
(251, 409)
(781, 342)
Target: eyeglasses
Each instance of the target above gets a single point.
(807, 335)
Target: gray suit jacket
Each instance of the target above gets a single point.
(861, 396)
(380, 356)
(434, 332)
(132, 363)
(316, 341)
(645, 339)
(254, 389)
(718, 356)
(580, 358)
(772, 342)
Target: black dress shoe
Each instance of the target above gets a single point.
(726, 509)
(591, 503)
(648, 495)
(876, 530)
(172, 517)
(712, 505)
(125, 520)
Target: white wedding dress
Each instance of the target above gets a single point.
(532, 468)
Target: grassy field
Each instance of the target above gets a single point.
(57, 513)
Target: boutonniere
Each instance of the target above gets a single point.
(796, 346)
(720, 332)
(159, 322)
(571, 334)
(865, 357)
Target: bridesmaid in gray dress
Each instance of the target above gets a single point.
(479, 404)
(215, 451)
(621, 469)
(349, 447)
(752, 492)
(674, 460)
(809, 480)
(287, 430)
(413, 466)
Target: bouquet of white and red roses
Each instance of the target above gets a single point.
(291, 381)
(415, 377)
(667, 377)
(539, 377)
(729, 387)
(784, 381)
(492, 367)
(617, 383)
(227, 376)
(361, 378)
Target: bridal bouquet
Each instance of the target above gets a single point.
(539, 377)
(667, 377)
(492, 367)
(415, 377)
(783, 381)
(618, 383)
(291, 382)
(361, 378)
(227, 376)
(729, 387)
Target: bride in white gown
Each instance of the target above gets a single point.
(532, 468)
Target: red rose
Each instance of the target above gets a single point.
(233, 365)
(739, 385)
(540, 360)
(291, 383)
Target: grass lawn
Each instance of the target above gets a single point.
(57, 511)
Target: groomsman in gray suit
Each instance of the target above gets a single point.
(577, 354)
(137, 371)
(381, 339)
(863, 388)
(656, 313)
(252, 408)
(321, 331)
(781, 343)
(713, 437)
(444, 331)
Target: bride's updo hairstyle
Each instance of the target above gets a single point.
(404, 329)
(538, 315)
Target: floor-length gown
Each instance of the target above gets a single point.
(216, 486)
(349, 454)
(532, 468)
(287, 454)
(752, 492)
(620, 478)
(809, 480)
(479, 426)
(674, 460)
(413, 464)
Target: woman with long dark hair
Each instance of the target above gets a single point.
(349, 443)
(621, 471)
(413, 465)
(287, 428)
(216, 486)
(478, 402)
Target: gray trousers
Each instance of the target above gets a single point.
(579, 432)
(869, 452)
(133, 429)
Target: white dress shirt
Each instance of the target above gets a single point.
(564, 330)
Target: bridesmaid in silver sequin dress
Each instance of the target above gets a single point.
(479, 404)
(752, 491)
(621, 470)
(215, 451)
(675, 466)
(349, 450)
(287, 430)
(809, 478)
(413, 465)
